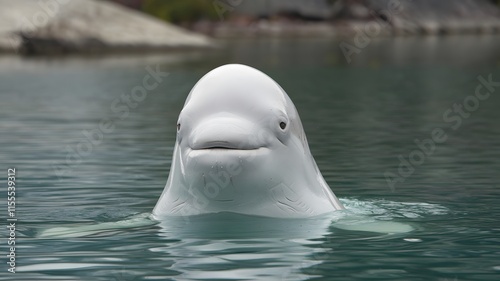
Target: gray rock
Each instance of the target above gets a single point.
(60, 26)
(316, 9)
(430, 16)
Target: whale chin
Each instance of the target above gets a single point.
(209, 163)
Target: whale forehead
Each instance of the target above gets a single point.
(234, 87)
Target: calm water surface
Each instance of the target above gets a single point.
(361, 119)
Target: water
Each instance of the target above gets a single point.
(358, 118)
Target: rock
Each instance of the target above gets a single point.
(62, 26)
(440, 16)
(347, 17)
(310, 9)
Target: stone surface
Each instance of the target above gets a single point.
(348, 17)
(429, 16)
(59, 26)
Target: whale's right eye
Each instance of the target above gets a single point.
(282, 125)
(178, 126)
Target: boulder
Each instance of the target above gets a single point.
(63, 26)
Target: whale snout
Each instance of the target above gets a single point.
(225, 133)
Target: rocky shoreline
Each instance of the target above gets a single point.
(352, 17)
(93, 26)
(86, 26)
(350, 28)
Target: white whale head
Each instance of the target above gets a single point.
(241, 148)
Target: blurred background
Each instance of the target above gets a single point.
(372, 80)
(59, 26)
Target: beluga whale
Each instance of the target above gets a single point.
(241, 148)
(241, 151)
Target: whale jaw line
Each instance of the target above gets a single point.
(229, 151)
(223, 145)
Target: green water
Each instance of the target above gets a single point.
(361, 119)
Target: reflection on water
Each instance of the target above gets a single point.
(230, 246)
(358, 118)
(240, 247)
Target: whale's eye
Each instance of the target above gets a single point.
(282, 125)
(178, 126)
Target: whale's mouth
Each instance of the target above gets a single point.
(230, 149)
(222, 148)
(224, 145)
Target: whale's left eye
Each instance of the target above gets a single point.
(282, 125)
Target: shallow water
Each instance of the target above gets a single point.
(359, 118)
